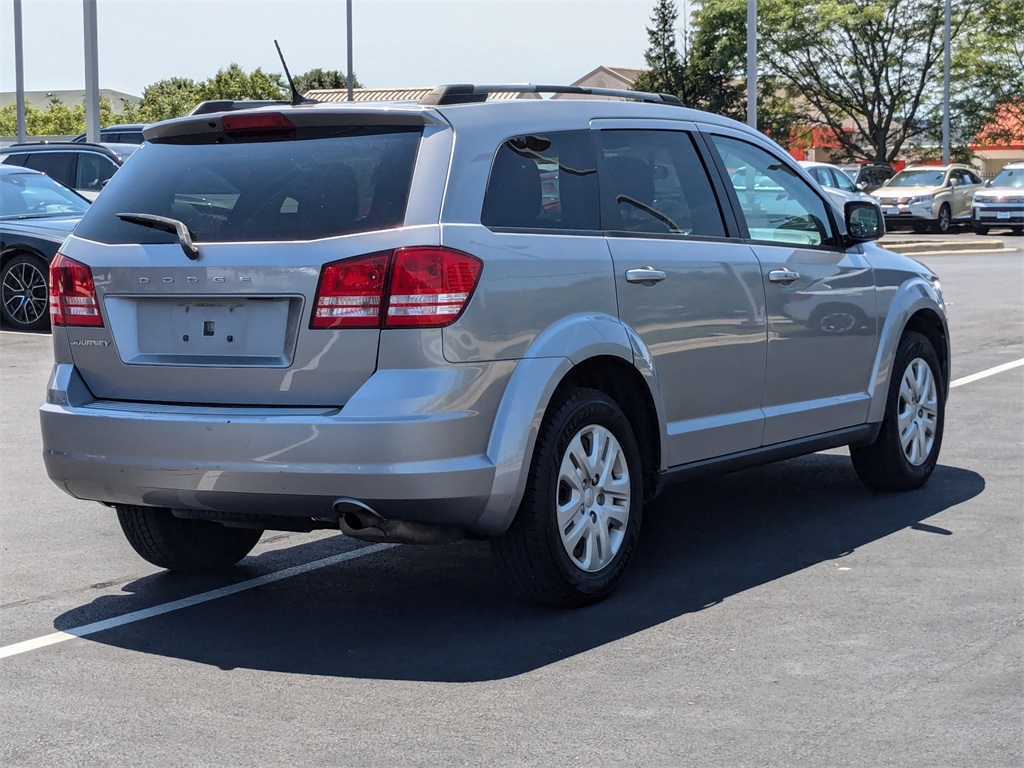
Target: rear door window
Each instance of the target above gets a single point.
(653, 182)
(543, 181)
(298, 189)
(56, 165)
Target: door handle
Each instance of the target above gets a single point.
(645, 275)
(784, 276)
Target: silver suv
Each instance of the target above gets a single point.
(511, 319)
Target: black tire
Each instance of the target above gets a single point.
(941, 224)
(919, 227)
(884, 465)
(531, 552)
(980, 229)
(1018, 231)
(24, 293)
(184, 545)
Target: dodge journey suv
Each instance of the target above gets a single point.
(505, 319)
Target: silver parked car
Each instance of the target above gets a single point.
(505, 319)
(835, 182)
(1001, 202)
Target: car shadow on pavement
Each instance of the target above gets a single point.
(443, 614)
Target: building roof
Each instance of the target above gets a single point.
(395, 94)
(42, 99)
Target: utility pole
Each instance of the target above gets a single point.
(752, 63)
(945, 87)
(19, 71)
(348, 17)
(92, 72)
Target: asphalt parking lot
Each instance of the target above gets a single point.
(782, 616)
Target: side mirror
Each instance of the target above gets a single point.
(988, 183)
(953, 182)
(864, 222)
(862, 185)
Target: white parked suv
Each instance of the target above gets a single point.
(1001, 202)
(926, 196)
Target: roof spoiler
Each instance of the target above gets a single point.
(465, 93)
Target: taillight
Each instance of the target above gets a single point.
(351, 292)
(73, 298)
(425, 286)
(429, 286)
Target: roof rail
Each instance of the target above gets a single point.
(465, 93)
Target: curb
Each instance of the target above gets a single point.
(942, 246)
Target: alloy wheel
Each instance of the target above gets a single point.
(24, 293)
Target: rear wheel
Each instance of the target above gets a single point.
(579, 520)
(184, 545)
(24, 300)
(906, 450)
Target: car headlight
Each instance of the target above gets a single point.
(922, 199)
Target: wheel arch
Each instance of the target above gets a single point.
(917, 306)
(609, 361)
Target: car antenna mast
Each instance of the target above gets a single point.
(297, 98)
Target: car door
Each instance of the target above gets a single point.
(967, 185)
(57, 165)
(686, 285)
(820, 298)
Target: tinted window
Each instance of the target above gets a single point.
(93, 170)
(17, 159)
(56, 165)
(301, 189)
(543, 181)
(777, 204)
(654, 182)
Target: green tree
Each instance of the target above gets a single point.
(317, 78)
(172, 97)
(664, 72)
(235, 83)
(870, 65)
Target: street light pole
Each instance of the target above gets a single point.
(92, 72)
(752, 63)
(19, 71)
(945, 87)
(348, 17)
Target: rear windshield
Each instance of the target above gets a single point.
(294, 189)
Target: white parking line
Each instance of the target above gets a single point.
(986, 373)
(186, 602)
(215, 594)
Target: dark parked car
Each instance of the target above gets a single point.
(36, 214)
(128, 133)
(868, 177)
(83, 167)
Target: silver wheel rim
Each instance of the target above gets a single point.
(593, 492)
(917, 412)
(24, 293)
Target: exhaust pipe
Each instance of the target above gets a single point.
(357, 520)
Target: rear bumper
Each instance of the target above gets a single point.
(404, 463)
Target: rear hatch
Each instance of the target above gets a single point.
(267, 199)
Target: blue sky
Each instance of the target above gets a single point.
(396, 42)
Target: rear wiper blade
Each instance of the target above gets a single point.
(165, 224)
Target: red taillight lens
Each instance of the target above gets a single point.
(426, 286)
(72, 294)
(351, 293)
(430, 286)
(261, 122)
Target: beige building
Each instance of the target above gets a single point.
(41, 99)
